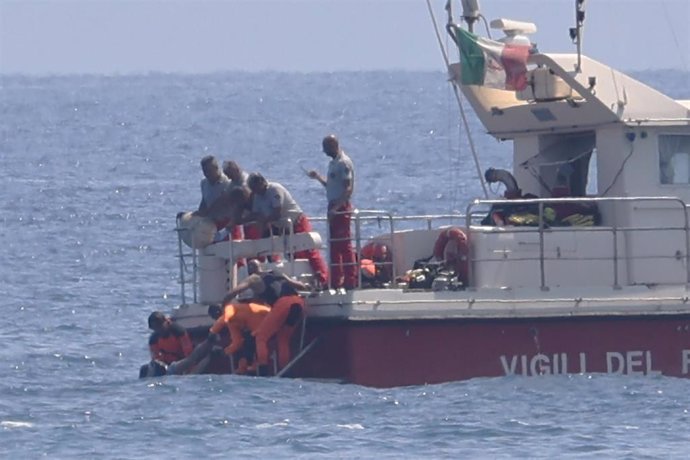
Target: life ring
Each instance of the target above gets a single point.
(452, 246)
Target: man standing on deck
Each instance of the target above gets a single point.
(272, 204)
(339, 186)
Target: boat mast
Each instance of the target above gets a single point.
(576, 32)
(466, 125)
(470, 12)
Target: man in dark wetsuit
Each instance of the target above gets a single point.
(281, 293)
(195, 363)
(169, 341)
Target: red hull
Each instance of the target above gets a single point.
(414, 352)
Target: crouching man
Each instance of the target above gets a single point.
(241, 319)
(280, 292)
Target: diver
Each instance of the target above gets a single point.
(169, 341)
(195, 363)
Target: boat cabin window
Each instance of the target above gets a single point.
(563, 164)
(674, 159)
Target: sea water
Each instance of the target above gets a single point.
(94, 169)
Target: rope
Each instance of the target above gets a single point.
(459, 100)
(453, 169)
(673, 34)
(620, 170)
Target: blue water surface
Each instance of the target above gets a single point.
(93, 170)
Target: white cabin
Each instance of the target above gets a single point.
(567, 125)
(639, 140)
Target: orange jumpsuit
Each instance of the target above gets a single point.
(286, 310)
(173, 345)
(238, 317)
(378, 265)
(282, 324)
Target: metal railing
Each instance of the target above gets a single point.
(189, 257)
(363, 220)
(188, 266)
(544, 227)
(359, 239)
(286, 230)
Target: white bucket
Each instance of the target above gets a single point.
(196, 232)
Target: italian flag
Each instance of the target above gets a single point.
(490, 63)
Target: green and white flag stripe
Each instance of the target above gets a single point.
(490, 63)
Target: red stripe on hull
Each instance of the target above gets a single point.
(413, 352)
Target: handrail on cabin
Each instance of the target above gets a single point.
(362, 217)
(541, 202)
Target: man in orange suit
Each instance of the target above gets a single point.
(240, 318)
(281, 293)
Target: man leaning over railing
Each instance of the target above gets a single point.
(272, 204)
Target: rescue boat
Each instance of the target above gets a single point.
(545, 281)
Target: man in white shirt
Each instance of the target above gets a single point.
(214, 187)
(271, 205)
(238, 179)
(339, 185)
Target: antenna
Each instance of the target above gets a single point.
(470, 13)
(576, 32)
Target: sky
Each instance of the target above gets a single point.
(199, 36)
